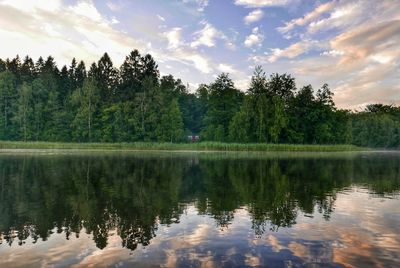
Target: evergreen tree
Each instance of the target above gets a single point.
(240, 126)
(171, 126)
(79, 76)
(24, 114)
(223, 103)
(14, 66)
(3, 66)
(28, 70)
(106, 77)
(7, 103)
(131, 76)
(87, 100)
(278, 119)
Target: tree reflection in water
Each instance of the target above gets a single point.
(135, 193)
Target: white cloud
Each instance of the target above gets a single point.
(61, 31)
(261, 3)
(114, 21)
(361, 87)
(254, 39)
(115, 5)
(87, 9)
(242, 84)
(291, 51)
(378, 40)
(24, 5)
(200, 4)
(332, 53)
(226, 68)
(192, 58)
(254, 16)
(206, 36)
(161, 18)
(174, 37)
(316, 13)
(340, 17)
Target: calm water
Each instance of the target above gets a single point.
(208, 210)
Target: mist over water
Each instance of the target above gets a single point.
(194, 209)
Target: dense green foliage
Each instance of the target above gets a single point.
(39, 102)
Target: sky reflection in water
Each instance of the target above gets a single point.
(200, 210)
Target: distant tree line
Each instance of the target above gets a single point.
(102, 103)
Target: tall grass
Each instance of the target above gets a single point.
(200, 146)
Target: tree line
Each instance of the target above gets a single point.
(103, 103)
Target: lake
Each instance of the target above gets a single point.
(199, 209)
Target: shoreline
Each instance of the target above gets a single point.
(7, 146)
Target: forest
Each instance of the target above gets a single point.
(104, 103)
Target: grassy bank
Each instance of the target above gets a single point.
(201, 146)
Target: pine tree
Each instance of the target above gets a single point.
(7, 103)
(87, 100)
(24, 114)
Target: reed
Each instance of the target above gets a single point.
(200, 146)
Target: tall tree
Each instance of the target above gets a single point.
(80, 75)
(302, 116)
(283, 86)
(171, 126)
(130, 76)
(224, 102)
(14, 66)
(24, 114)
(3, 66)
(28, 70)
(87, 101)
(106, 77)
(7, 103)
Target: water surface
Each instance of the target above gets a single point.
(199, 209)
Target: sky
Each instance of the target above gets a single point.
(352, 45)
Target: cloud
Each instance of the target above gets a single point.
(161, 18)
(174, 37)
(62, 31)
(209, 35)
(86, 9)
(200, 62)
(372, 54)
(34, 5)
(226, 68)
(206, 36)
(253, 16)
(380, 40)
(341, 16)
(261, 3)
(242, 84)
(115, 6)
(291, 51)
(360, 56)
(316, 13)
(200, 4)
(254, 39)
(332, 53)
(375, 83)
(80, 31)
